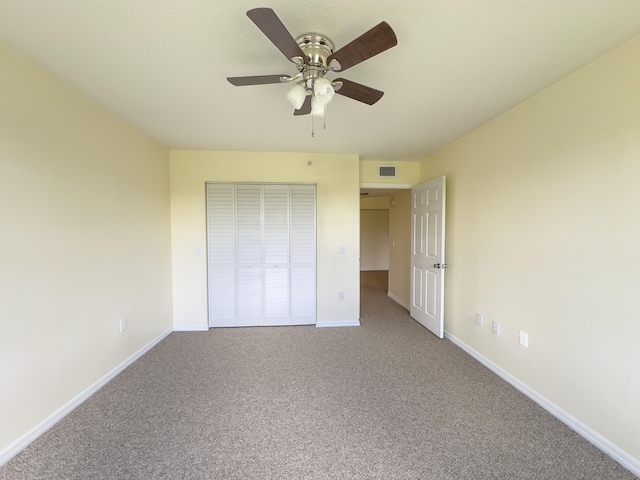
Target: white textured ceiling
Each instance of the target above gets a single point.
(162, 65)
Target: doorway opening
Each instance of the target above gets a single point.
(385, 239)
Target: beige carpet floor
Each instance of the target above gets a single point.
(386, 400)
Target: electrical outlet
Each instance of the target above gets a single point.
(524, 339)
(340, 295)
(479, 319)
(123, 325)
(495, 327)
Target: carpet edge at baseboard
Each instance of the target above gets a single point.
(398, 301)
(623, 458)
(21, 443)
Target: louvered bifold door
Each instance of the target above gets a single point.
(262, 248)
(249, 261)
(221, 254)
(303, 254)
(276, 255)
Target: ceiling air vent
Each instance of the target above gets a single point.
(387, 171)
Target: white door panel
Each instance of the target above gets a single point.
(276, 298)
(418, 291)
(249, 294)
(303, 291)
(427, 254)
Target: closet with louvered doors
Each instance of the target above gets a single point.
(261, 245)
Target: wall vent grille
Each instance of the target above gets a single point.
(387, 171)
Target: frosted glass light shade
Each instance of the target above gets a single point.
(297, 95)
(317, 107)
(322, 90)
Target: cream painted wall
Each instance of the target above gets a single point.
(374, 239)
(338, 205)
(400, 247)
(543, 236)
(84, 242)
(374, 233)
(374, 203)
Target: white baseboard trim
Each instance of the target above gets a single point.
(398, 301)
(619, 455)
(344, 323)
(21, 443)
(191, 328)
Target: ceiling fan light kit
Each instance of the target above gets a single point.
(314, 56)
(317, 108)
(297, 95)
(323, 90)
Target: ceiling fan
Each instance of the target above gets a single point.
(314, 55)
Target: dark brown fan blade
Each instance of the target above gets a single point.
(305, 109)
(371, 43)
(267, 21)
(257, 80)
(358, 92)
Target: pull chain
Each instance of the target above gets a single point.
(324, 121)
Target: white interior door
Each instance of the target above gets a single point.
(427, 254)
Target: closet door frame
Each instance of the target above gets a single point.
(261, 254)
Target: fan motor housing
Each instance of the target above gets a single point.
(316, 47)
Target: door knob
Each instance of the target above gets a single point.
(438, 265)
